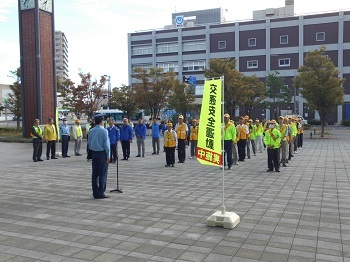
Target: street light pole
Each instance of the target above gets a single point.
(108, 90)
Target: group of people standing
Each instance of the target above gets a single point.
(282, 139)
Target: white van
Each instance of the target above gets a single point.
(298, 116)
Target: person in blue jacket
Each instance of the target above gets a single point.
(155, 136)
(114, 137)
(125, 138)
(140, 133)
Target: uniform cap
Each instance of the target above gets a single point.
(181, 116)
(194, 120)
(281, 117)
(250, 120)
(227, 115)
(246, 117)
(285, 118)
(169, 124)
(272, 122)
(257, 120)
(77, 121)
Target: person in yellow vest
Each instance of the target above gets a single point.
(285, 137)
(181, 130)
(78, 137)
(252, 135)
(234, 145)
(50, 136)
(272, 141)
(170, 140)
(259, 130)
(242, 136)
(295, 135)
(291, 140)
(229, 138)
(300, 133)
(37, 135)
(193, 138)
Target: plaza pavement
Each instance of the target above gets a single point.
(47, 212)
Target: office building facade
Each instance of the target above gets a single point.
(258, 46)
(61, 57)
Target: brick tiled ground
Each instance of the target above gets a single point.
(301, 214)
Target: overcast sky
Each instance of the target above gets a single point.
(97, 29)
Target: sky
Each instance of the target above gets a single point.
(97, 30)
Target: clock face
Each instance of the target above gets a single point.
(27, 4)
(45, 5)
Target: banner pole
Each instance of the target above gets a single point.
(223, 149)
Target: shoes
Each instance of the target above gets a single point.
(78, 154)
(254, 154)
(229, 168)
(53, 157)
(124, 159)
(172, 165)
(87, 160)
(284, 165)
(101, 197)
(292, 156)
(35, 161)
(287, 162)
(67, 156)
(143, 155)
(39, 159)
(157, 153)
(47, 158)
(277, 170)
(166, 166)
(181, 162)
(105, 196)
(248, 157)
(269, 170)
(153, 153)
(236, 164)
(138, 156)
(63, 156)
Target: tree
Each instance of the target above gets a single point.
(320, 83)
(255, 93)
(152, 92)
(85, 97)
(182, 98)
(123, 99)
(277, 93)
(233, 89)
(14, 102)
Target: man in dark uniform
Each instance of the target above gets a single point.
(100, 148)
(37, 135)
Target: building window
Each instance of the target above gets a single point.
(169, 67)
(193, 45)
(252, 42)
(199, 90)
(252, 64)
(284, 62)
(222, 44)
(141, 50)
(167, 48)
(193, 66)
(283, 39)
(321, 36)
(147, 67)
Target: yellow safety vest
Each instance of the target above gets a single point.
(78, 131)
(181, 131)
(242, 132)
(194, 133)
(38, 130)
(169, 138)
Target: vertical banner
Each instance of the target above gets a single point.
(209, 147)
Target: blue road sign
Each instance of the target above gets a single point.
(192, 81)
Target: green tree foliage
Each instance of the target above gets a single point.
(182, 98)
(84, 97)
(278, 95)
(153, 89)
(123, 99)
(15, 101)
(234, 92)
(320, 83)
(254, 93)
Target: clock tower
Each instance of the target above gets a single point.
(37, 50)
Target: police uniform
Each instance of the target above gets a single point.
(100, 147)
(65, 135)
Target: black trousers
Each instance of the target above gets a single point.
(113, 156)
(65, 143)
(37, 148)
(181, 150)
(228, 153)
(272, 158)
(169, 155)
(300, 140)
(296, 142)
(241, 144)
(51, 146)
(126, 148)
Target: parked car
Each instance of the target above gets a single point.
(15, 118)
(304, 121)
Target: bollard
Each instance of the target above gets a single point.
(314, 130)
(310, 135)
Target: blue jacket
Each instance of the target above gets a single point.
(113, 133)
(155, 130)
(64, 130)
(140, 130)
(125, 133)
(98, 140)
